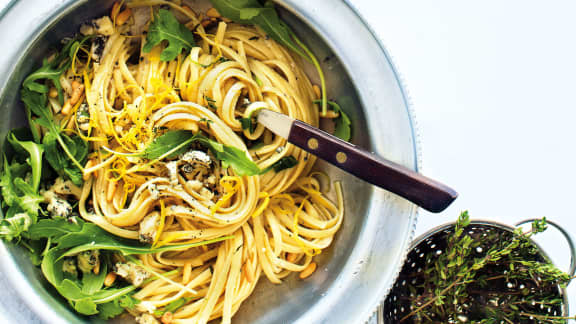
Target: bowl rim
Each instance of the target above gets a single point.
(377, 313)
(45, 312)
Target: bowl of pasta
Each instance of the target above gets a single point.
(137, 184)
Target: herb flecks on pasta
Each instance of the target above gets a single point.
(144, 183)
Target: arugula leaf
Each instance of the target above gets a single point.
(173, 141)
(35, 161)
(248, 124)
(53, 228)
(252, 12)
(35, 103)
(114, 308)
(166, 27)
(6, 182)
(21, 198)
(342, 124)
(173, 306)
(86, 306)
(230, 157)
(89, 297)
(59, 159)
(52, 70)
(47, 71)
(108, 295)
(206, 121)
(271, 23)
(286, 162)
(211, 103)
(21, 134)
(257, 80)
(66, 160)
(109, 310)
(88, 236)
(92, 283)
(127, 301)
(29, 200)
(33, 94)
(71, 290)
(232, 9)
(14, 223)
(52, 268)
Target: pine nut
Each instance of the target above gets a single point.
(166, 318)
(186, 272)
(112, 186)
(331, 114)
(308, 271)
(66, 108)
(110, 278)
(248, 272)
(123, 17)
(88, 165)
(96, 269)
(53, 93)
(115, 9)
(205, 23)
(213, 13)
(189, 10)
(291, 257)
(317, 91)
(78, 89)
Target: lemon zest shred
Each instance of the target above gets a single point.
(171, 237)
(262, 195)
(125, 89)
(230, 184)
(87, 84)
(75, 57)
(120, 141)
(128, 188)
(119, 167)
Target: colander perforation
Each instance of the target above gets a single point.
(398, 302)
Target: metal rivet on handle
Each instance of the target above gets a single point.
(313, 143)
(341, 157)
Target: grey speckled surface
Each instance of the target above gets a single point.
(12, 308)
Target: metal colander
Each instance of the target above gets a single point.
(397, 304)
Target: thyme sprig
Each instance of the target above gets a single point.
(486, 277)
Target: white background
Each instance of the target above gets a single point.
(493, 86)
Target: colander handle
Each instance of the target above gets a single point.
(568, 238)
